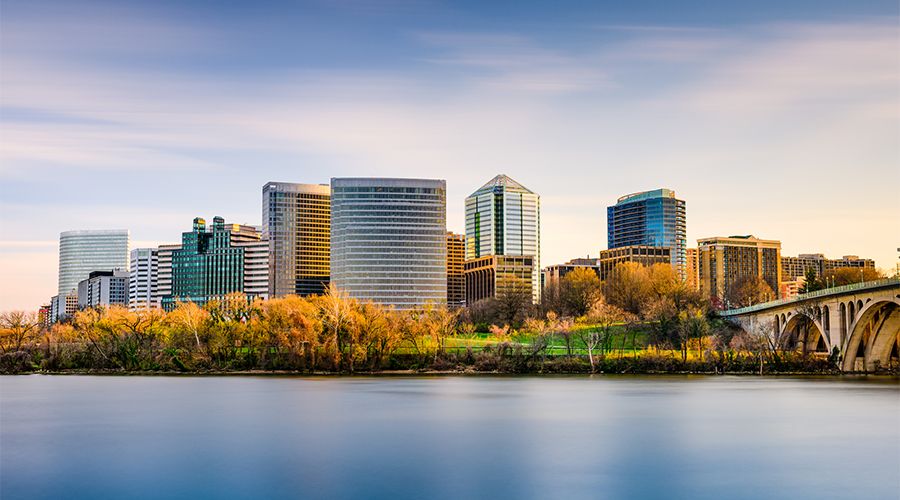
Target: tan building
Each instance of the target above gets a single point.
(456, 279)
(725, 261)
(642, 254)
(692, 268)
(556, 272)
(795, 267)
(494, 275)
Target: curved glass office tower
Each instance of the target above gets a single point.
(389, 240)
(82, 252)
(650, 218)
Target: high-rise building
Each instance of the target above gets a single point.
(503, 217)
(143, 279)
(726, 261)
(164, 270)
(456, 280)
(103, 289)
(642, 254)
(692, 268)
(650, 218)
(389, 240)
(498, 275)
(297, 224)
(81, 252)
(215, 262)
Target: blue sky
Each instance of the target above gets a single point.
(779, 119)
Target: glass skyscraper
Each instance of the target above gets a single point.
(297, 223)
(503, 217)
(389, 240)
(650, 218)
(82, 252)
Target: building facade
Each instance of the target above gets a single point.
(64, 305)
(104, 289)
(389, 240)
(143, 280)
(726, 261)
(456, 280)
(82, 252)
(796, 267)
(556, 272)
(642, 254)
(650, 218)
(164, 270)
(692, 269)
(503, 217)
(214, 262)
(297, 224)
(497, 275)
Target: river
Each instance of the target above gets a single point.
(132, 437)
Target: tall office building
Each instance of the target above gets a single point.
(389, 240)
(650, 218)
(103, 289)
(143, 279)
(503, 217)
(215, 262)
(456, 280)
(725, 261)
(81, 252)
(164, 270)
(297, 224)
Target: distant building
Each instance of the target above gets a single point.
(503, 217)
(81, 252)
(164, 270)
(389, 240)
(143, 280)
(104, 289)
(791, 288)
(63, 306)
(692, 268)
(556, 272)
(44, 316)
(725, 261)
(642, 254)
(297, 225)
(456, 280)
(795, 267)
(496, 275)
(215, 262)
(650, 218)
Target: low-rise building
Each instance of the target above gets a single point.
(63, 306)
(103, 289)
(496, 275)
(644, 255)
(795, 267)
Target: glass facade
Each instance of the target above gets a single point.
(651, 218)
(503, 217)
(209, 264)
(389, 240)
(297, 223)
(82, 252)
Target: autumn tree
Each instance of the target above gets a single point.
(851, 275)
(748, 291)
(579, 290)
(627, 287)
(17, 329)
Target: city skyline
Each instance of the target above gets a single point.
(768, 120)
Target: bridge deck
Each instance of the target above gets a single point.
(825, 292)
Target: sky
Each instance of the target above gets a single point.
(774, 118)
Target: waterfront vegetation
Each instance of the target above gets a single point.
(641, 320)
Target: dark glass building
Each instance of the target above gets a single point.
(650, 218)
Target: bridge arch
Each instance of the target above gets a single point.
(843, 315)
(803, 332)
(874, 340)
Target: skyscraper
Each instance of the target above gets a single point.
(214, 263)
(297, 223)
(726, 261)
(503, 217)
(143, 279)
(81, 252)
(389, 240)
(650, 218)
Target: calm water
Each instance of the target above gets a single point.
(455, 437)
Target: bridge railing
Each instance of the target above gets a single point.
(836, 290)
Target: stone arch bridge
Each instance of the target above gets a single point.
(861, 320)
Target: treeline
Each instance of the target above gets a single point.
(581, 325)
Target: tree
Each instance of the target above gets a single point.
(748, 291)
(692, 325)
(335, 308)
(605, 316)
(579, 290)
(628, 287)
(850, 275)
(17, 328)
(811, 282)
